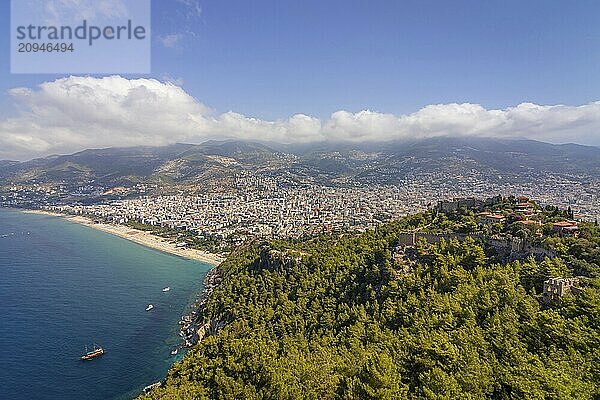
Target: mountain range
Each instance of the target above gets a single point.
(326, 163)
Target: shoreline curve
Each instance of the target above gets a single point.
(138, 236)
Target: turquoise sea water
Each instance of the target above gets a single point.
(63, 286)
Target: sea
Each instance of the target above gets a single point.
(64, 286)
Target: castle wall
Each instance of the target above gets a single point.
(512, 245)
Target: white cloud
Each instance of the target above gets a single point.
(193, 6)
(60, 12)
(170, 41)
(188, 15)
(74, 113)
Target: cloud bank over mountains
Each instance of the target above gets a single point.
(75, 113)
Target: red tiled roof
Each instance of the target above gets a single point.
(564, 224)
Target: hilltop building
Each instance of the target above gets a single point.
(467, 202)
(489, 219)
(566, 228)
(524, 208)
(555, 288)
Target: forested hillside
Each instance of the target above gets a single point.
(359, 317)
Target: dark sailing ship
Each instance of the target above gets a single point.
(97, 351)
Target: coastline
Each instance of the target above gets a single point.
(140, 237)
(111, 280)
(192, 325)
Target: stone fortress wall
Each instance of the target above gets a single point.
(510, 245)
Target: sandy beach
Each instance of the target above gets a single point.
(141, 237)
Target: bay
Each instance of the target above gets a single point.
(62, 286)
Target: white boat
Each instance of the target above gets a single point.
(167, 289)
(174, 352)
(150, 307)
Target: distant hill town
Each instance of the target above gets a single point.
(495, 160)
(223, 193)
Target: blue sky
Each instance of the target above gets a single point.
(271, 60)
(275, 58)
